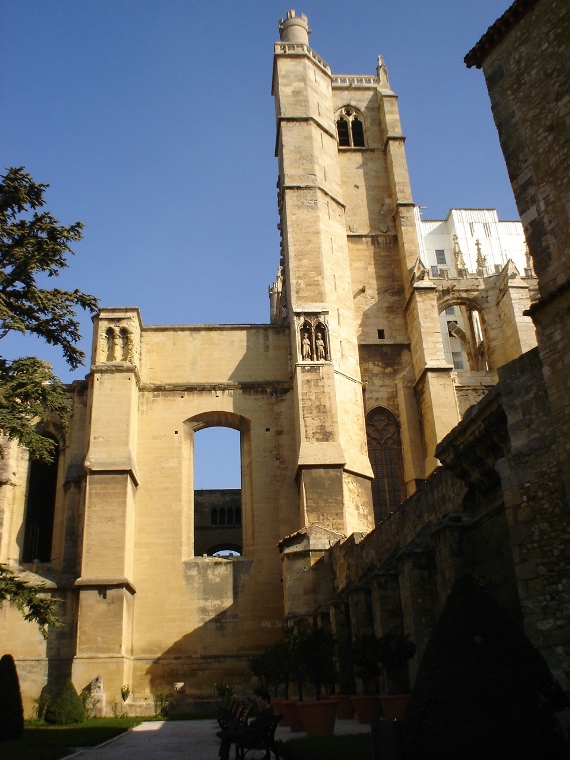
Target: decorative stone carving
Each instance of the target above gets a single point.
(460, 265)
(320, 347)
(111, 341)
(313, 338)
(306, 352)
(481, 258)
(126, 345)
(419, 271)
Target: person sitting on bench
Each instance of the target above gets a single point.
(235, 730)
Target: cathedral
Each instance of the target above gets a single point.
(385, 330)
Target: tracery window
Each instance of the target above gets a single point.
(384, 450)
(350, 128)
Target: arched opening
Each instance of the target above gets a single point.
(217, 472)
(463, 336)
(384, 450)
(350, 128)
(40, 508)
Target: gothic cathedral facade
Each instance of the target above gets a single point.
(340, 402)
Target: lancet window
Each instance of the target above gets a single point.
(384, 450)
(40, 508)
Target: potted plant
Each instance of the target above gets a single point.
(317, 652)
(272, 668)
(345, 688)
(366, 668)
(394, 650)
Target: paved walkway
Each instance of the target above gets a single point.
(182, 740)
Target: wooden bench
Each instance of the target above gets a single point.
(259, 738)
(236, 710)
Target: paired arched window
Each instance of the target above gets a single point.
(350, 128)
(384, 450)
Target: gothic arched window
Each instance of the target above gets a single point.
(383, 436)
(40, 508)
(214, 516)
(350, 129)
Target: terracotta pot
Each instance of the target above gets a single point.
(368, 709)
(394, 706)
(318, 716)
(295, 721)
(345, 709)
(278, 709)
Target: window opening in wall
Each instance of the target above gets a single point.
(40, 508)
(217, 492)
(462, 337)
(384, 450)
(350, 129)
(343, 133)
(457, 358)
(381, 335)
(440, 257)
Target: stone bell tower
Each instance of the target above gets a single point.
(333, 468)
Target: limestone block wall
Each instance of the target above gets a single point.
(203, 610)
(530, 104)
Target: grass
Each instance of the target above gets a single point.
(43, 742)
(329, 748)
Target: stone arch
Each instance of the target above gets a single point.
(111, 341)
(192, 425)
(470, 330)
(306, 341)
(126, 344)
(322, 352)
(41, 497)
(229, 547)
(385, 452)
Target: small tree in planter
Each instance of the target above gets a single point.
(394, 651)
(272, 668)
(295, 640)
(344, 665)
(318, 652)
(365, 658)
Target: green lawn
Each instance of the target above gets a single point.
(358, 746)
(42, 742)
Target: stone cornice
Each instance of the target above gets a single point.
(497, 32)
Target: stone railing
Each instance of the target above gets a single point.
(299, 47)
(354, 80)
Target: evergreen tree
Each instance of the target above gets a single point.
(29, 600)
(11, 710)
(66, 706)
(33, 247)
(482, 690)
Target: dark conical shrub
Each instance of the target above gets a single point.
(66, 706)
(482, 689)
(11, 710)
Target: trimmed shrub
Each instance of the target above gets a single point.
(66, 706)
(482, 689)
(11, 710)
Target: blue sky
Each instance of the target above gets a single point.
(153, 123)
